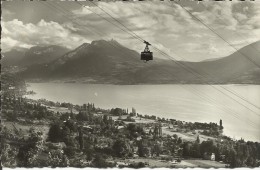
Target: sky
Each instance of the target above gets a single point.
(165, 24)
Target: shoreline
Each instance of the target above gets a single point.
(145, 120)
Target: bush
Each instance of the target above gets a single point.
(70, 151)
(137, 165)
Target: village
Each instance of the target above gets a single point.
(42, 133)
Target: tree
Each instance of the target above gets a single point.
(84, 107)
(121, 148)
(65, 116)
(134, 130)
(179, 140)
(71, 125)
(58, 159)
(82, 116)
(105, 118)
(70, 151)
(207, 146)
(12, 116)
(88, 151)
(116, 112)
(233, 158)
(28, 154)
(198, 139)
(143, 151)
(157, 149)
(196, 150)
(55, 133)
(220, 124)
(72, 115)
(100, 162)
(81, 141)
(187, 149)
(8, 156)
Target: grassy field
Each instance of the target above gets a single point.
(186, 136)
(204, 163)
(61, 110)
(24, 129)
(195, 163)
(153, 163)
(137, 119)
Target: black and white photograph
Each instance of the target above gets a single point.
(130, 84)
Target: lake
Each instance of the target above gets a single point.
(201, 103)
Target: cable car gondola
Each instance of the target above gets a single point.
(146, 55)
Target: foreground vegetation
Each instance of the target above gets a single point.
(33, 134)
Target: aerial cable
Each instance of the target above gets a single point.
(189, 69)
(227, 23)
(238, 35)
(194, 72)
(128, 32)
(180, 86)
(115, 45)
(118, 22)
(164, 53)
(199, 75)
(218, 35)
(74, 21)
(64, 15)
(107, 20)
(123, 25)
(202, 97)
(229, 45)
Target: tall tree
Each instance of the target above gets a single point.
(81, 141)
(55, 133)
(220, 124)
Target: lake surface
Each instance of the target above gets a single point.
(201, 103)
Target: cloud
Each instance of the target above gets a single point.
(166, 25)
(17, 34)
(232, 18)
(157, 22)
(84, 10)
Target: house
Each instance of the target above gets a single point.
(58, 145)
(122, 164)
(139, 138)
(120, 128)
(209, 156)
(212, 157)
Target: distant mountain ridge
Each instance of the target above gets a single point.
(109, 62)
(34, 55)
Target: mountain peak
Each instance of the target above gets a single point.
(99, 42)
(113, 41)
(105, 42)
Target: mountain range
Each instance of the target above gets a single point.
(109, 62)
(35, 55)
